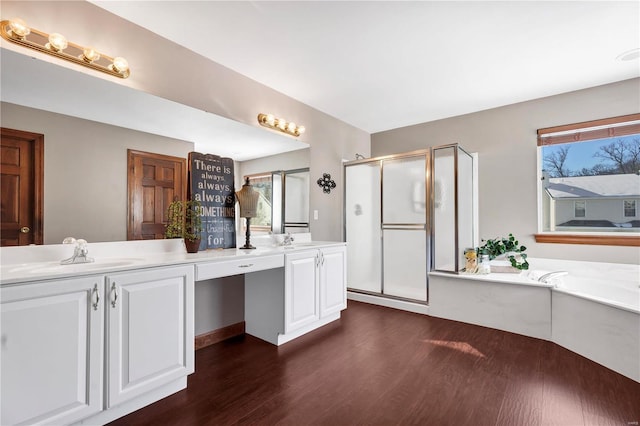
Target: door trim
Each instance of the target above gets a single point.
(37, 141)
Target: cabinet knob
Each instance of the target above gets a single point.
(25, 229)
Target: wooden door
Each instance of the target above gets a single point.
(154, 180)
(21, 183)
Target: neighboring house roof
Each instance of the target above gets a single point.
(595, 186)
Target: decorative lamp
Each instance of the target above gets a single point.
(248, 200)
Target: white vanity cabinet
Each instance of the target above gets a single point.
(150, 330)
(301, 289)
(315, 286)
(52, 350)
(94, 348)
(309, 292)
(333, 280)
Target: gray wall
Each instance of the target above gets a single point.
(299, 159)
(85, 171)
(505, 140)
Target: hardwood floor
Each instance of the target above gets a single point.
(380, 366)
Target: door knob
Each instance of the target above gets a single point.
(25, 229)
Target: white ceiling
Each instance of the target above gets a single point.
(380, 65)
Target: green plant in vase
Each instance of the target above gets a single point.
(184, 221)
(509, 247)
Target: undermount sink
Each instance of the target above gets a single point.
(49, 267)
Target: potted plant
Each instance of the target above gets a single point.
(507, 248)
(184, 221)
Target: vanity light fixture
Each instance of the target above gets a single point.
(268, 120)
(55, 44)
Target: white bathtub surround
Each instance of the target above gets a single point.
(600, 332)
(593, 310)
(506, 302)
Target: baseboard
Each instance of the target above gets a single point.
(418, 308)
(218, 335)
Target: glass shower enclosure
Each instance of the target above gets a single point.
(390, 224)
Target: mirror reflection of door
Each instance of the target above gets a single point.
(283, 205)
(296, 201)
(22, 188)
(154, 181)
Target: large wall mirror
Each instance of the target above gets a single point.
(89, 123)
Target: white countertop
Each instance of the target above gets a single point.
(35, 263)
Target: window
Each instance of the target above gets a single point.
(263, 184)
(595, 163)
(629, 208)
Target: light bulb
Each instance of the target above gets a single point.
(120, 65)
(271, 120)
(19, 28)
(57, 42)
(282, 124)
(291, 127)
(301, 129)
(89, 54)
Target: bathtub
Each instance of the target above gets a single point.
(616, 285)
(593, 310)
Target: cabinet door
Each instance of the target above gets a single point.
(52, 346)
(333, 290)
(300, 290)
(151, 330)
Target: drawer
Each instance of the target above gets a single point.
(225, 268)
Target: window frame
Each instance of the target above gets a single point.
(624, 208)
(256, 227)
(591, 130)
(575, 209)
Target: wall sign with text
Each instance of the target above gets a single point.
(211, 183)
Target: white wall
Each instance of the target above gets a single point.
(85, 171)
(505, 140)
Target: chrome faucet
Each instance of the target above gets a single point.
(551, 275)
(80, 252)
(288, 239)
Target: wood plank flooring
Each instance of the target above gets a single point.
(380, 366)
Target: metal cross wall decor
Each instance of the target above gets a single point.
(326, 183)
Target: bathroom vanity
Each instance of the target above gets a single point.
(89, 343)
